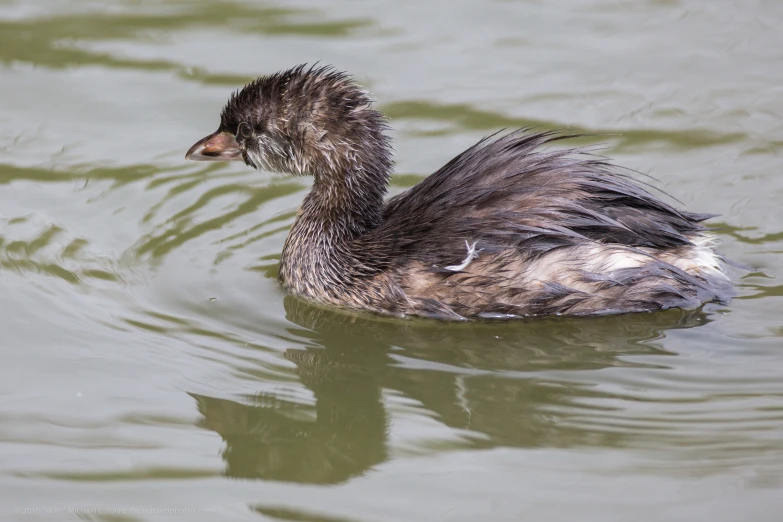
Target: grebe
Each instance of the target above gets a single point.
(504, 229)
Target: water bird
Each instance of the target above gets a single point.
(511, 227)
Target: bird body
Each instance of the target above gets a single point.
(508, 228)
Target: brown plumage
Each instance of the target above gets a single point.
(505, 229)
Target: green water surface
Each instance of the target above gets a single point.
(152, 369)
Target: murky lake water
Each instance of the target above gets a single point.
(150, 361)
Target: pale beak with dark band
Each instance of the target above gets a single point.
(218, 146)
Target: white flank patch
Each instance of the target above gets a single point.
(702, 257)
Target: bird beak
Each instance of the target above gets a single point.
(218, 146)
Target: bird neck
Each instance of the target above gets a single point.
(346, 201)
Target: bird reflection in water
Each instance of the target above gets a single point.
(493, 382)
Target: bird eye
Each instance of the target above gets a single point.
(244, 130)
